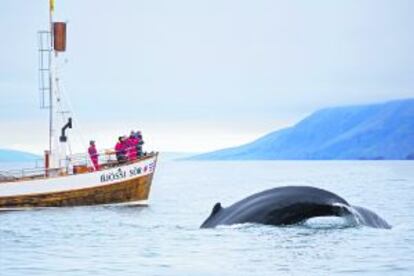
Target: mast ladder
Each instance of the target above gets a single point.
(45, 53)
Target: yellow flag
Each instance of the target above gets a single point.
(52, 5)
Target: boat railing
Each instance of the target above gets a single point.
(73, 164)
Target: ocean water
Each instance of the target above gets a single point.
(164, 238)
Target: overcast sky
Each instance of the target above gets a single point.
(202, 75)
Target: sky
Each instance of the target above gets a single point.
(196, 76)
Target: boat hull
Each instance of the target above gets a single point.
(130, 190)
(134, 190)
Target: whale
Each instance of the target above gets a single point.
(291, 205)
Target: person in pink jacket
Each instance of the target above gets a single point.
(93, 155)
(132, 143)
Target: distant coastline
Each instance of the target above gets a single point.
(171, 156)
(383, 131)
(8, 155)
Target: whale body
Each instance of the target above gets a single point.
(290, 205)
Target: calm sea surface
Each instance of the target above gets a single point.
(164, 238)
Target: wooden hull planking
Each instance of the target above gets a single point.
(127, 191)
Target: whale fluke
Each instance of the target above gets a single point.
(369, 218)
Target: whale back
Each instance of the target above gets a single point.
(279, 206)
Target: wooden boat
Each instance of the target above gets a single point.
(123, 184)
(67, 179)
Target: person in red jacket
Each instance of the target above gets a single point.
(132, 143)
(93, 155)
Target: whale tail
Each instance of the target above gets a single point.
(368, 218)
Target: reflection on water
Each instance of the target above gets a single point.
(164, 238)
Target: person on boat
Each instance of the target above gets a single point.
(93, 155)
(121, 149)
(132, 143)
(140, 143)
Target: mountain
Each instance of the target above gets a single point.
(16, 156)
(376, 131)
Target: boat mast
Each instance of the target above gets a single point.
(51, 43)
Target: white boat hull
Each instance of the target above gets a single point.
(127, 184)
